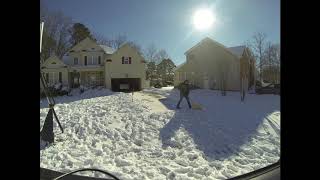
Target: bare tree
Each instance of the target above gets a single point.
(63, 35)
(258, 46)
(56, 35)
(271, 69)
(161, 55)
(275, 54)
(117, 41)
(151, 53)
(101, 39)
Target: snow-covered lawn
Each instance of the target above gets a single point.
(133, 141)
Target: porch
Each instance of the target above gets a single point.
(86, 77)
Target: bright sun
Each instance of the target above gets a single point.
(203, 19)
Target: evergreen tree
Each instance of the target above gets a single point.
(165, 70)
(78, 33)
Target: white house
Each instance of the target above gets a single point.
(211, 65)
(91, 64)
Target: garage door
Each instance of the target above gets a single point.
(126, 84)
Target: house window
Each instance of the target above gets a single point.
(75, 61)
(99, 59)
(53, 63)
(92, 60)
(60, 77)
(52, 78)
(85, 60)
(126, 60)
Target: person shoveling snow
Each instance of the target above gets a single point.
(184, 89)
(184, 93)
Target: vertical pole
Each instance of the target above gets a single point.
(41, 32)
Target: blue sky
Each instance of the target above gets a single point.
(168, 23)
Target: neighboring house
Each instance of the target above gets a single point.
(91, 64)
(210, 65)
(86, 61)
(124, 69)
(55, 71)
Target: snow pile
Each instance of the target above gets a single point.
(75, 95)
(164, 91)
(128, 139)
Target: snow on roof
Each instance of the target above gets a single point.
(237, 50)
(107, 49)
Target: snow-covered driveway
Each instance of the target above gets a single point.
(109, 131)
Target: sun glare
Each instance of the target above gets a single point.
(203, 19)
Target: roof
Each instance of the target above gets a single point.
(204, 40)
(237, 50)
(53, 58)
(86, 67)
(179, 66)
(82, 41)
(107, 49)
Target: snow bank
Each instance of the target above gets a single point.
(75, 95)
(110, 132)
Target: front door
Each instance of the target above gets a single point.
(75, 82)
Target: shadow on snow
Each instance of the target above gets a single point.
(223, 126)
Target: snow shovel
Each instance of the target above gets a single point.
(196, 106)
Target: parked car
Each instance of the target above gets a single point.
(169, 83)
(269, 89)
(158, 85)
(264, 83)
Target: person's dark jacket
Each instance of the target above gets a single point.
(184, 89)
